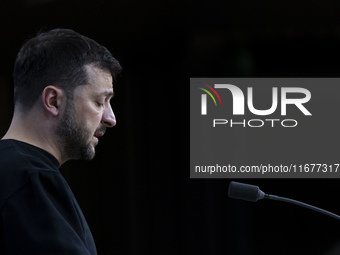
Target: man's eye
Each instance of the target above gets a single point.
(100, 104)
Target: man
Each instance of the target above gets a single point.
(63, 83)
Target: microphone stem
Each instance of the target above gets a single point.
(292, 201)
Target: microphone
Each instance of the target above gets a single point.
(253, 193)
(246, 192)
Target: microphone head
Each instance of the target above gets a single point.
(244, 191)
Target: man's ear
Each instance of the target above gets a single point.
(52, 99)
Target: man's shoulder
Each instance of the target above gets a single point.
(16, 155)
(18, 162)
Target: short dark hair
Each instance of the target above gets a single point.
(57, 57)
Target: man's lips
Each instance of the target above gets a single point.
(95, 139)
(100, 132)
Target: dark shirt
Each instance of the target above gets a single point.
(38, 211)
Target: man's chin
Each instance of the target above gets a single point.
(89, 152)
(86, 152)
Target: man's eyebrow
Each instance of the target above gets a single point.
(108, 93)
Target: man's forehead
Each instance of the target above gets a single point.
(95, 72)
(100, 78)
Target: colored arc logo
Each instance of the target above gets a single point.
(209, 93)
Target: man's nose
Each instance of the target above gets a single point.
(109, 118)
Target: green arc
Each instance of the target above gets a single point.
(209, 95)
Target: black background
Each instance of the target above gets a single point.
(136, 194)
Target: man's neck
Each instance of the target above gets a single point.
(28, 129)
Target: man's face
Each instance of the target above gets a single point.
(87, 116)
